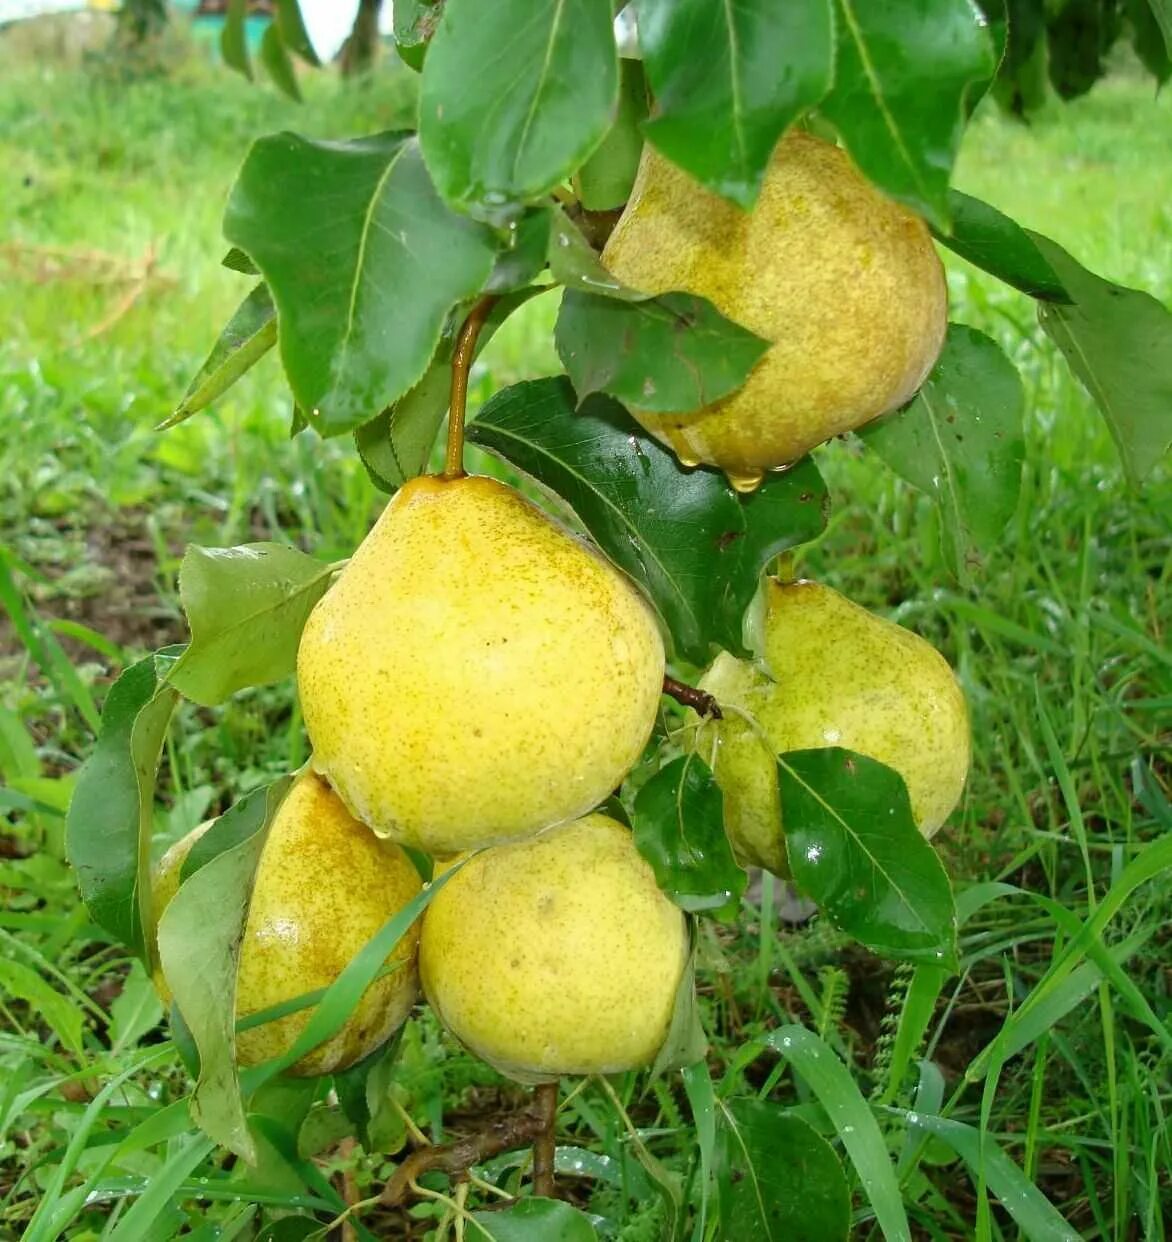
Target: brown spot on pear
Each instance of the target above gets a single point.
(556, 955)
(843, 281)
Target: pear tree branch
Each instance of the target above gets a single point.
(700, 701)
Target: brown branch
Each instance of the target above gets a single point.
(699, 700)
(545, 1100)
(458, 402)
(502, 1134)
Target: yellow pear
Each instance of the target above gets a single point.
(834, 675)
(556, 955)
(324, 885)
(843, 281)
(476, 673)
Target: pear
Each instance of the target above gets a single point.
(324, 885)
(476, 673)
(556, 955)
(834, 675)
(843, 281)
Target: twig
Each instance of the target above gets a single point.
(458, 402)
(545, 1100)
(699, 700)
(455, 1159)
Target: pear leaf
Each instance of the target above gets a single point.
(854, 848)
(777, 1179)
(685, 1042)
(234, 38)
(1118, 341)
(246, 607)
(274, 55)
(903, 77)
(961, 441)
(670, 354)
(246, 338)
(295, 37)
(694, 545)
(998, 245)
(108, 828)
(729, 79)
(604, 182)
(504, 129)
(199, 945)
(575, 263)
(364, 262)
(532, 1220)
(679, 830)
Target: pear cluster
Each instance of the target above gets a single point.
(479, 680)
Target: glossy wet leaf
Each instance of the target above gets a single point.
(531, 1220)
(516, 94)
(364, 262)
(998, 245)
(670, 354)
(854, 848)
(679, 829)
(961, 440)
(777, 1179)
(199, 943)
(108, 829)
(246, 338)
(573, 262)
(246, 607)
(694, 545)
(1118, 341)
(903, 75)
(729, 79)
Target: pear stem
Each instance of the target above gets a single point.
(545, 1098)
(699, 700)
(458, 402)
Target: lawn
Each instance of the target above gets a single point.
(112, 185)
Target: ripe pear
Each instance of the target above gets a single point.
(843, 281)
(476, 673)
(834, 675)
(556, 955)
(324, 885)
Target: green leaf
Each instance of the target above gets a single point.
(836, 1090)
(961, 441)
(1037, 1217)
(604, 182)
(777, 1179)
(396, 446)
(1000, 246)
(526, 255)
(1152, 44)
(1118, 341)
(685, 1042)
(108, 829)
(504, 127)
(702, 1101)
(364, 1095)
(364, 263)
(902, 80)
(694, 545)
(291, 27)
(274, 55)
(59, 1013)
(237, 261)
(531, 1220)
(1079, 33)
(670, 354)
(234, 39)
(679, 830)
(854, 848)
(199, 941)
(143, 1218)
(413, 24)
(136, 1010)
(246, 607)
(729, 80)
(248, 336)
(573, 262)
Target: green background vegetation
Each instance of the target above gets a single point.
(112, 185)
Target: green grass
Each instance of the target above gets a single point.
(1060, 644)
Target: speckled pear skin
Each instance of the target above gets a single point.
(476, 673)
(324, 885)
(835, 675)
(845, 282)
(556, 955)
